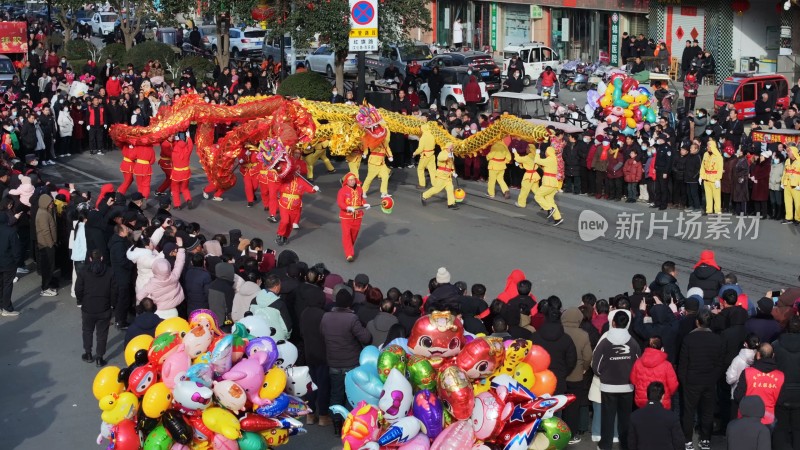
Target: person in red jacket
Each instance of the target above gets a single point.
(632, 172)
(614, 174)
(249, 168)
(165, 162)
(96, 126)
(351, 205)
(269, 184)
(114, 86)
(653, 366)
(143, 168)
(762, 379)
(548, 78)
(126, 167)
(291, 204)
(180, 174)
(472, 95)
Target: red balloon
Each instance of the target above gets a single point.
(615, 76)
(545, 383)
(125, 436)
(257, 423)
(629, 84)
(523, 433)
(480, 357)
(456, 392)
(538, 359)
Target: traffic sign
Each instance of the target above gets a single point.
(363, 25)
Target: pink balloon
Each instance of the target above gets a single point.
(176, 363)
(222, 443)
(457, 436)
(179, 446)
(420, 442)
(601, 128)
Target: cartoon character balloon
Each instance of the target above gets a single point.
(396, 397)
(298, 381)
(554, 434)
(287, 354)
(118, 407)
(421, 373)
(456, 392)
(249, 374)
(481, 357)
(438, 335)
(490, 414)
(266, 345)
(363, 383)
(197, 340)
(230, 395)
(391, 357)
(360, 426)
(190, 396)
(428, 409)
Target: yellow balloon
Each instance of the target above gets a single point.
(222, 421)
(274, 383)
(524, 375)
(631, 122)
(105, 382)
(117, 408)
(641, 99)
(275, 436)
(481, 385)
(141, 342)
(609, 89)
(156, 400)
(173, 325)
(605, 102)
(627, 113)
(628, 98)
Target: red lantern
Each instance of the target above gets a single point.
(261, 13)
(740, 6)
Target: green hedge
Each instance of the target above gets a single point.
(200, 66)
(308, 85)
(78, 49)
(116, 52)
(149, 50)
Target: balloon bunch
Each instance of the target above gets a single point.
(194, 386)
(624, 102)
(442, 390)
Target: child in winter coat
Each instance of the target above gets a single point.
(25, 190)
(633, 173)
(653, 366)
(165, 288)
(740, 362)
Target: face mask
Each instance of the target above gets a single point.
(596, 141)
(63, 60)
(587, 140)
(713, 121)
(768, 86)
(660, 142)
(726, 155)
(776, 161)
(335, 93)
(708, 132)
(700, 116)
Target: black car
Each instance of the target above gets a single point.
(481, 63)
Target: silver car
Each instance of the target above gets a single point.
(7, 72)
(272, 47)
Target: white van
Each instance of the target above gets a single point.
(535, 56)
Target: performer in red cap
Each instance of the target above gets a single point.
(351, 205)
(126, 167)
(291, 203)
(165, 162)
(143, 168)
(180, 173)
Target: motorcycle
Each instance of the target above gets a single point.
(579, 82)
(568, 70)
(547, 92)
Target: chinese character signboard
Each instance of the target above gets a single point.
(363, 25)
(493, 25)
(614, 50)
(536, 12)
(13, 37)
(775, 136)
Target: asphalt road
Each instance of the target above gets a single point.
(46, 389)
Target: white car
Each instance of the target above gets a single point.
(246, 42)
(535, 58)
(455, 78)
(322, 60)
(103, 23)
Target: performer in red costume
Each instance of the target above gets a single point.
(249, 168)
(165, 162)
(181, 153)
(290, 204)
(351, 205)
(126, 167)
(143, 168)
(269, 185)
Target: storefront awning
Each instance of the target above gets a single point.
(632, 6)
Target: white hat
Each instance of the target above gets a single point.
(442, 276)
(767, 154)
(694, 291)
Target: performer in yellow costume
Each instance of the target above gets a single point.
(546, 195)
(315, 152)
(530, 180)
(445, 172)
(498, 158)
(354, 162)
(376, 164)
(427, 159)
(791, 185)
(710, 176)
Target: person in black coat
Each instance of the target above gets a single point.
(512, 318)
(145, 322)
(707, 276)
(763, 324)
(27, 136)
(662, 324)
(314, 350)
(653, 427)
(122, 268)
(763, 108)
(748, 433)
(563, 355)
(409, 312)
(10, 251)
(96, 291)
(787, 410)
(514, 83)
(435, 84)
(665, 285)
(196, 282)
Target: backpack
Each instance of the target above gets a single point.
(271, 315)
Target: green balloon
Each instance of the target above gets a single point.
(557, 432)
(392, 357)
(158, 439)
(421, 373)
(251, 441)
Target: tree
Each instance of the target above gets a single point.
(329, 20)
(67, 7)
(131, 15)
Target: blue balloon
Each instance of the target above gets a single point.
(617, 84)
(363, 383)
(278, 406)
(628, 131)
(402, 342)
(651, 116)
(200, 373)
(621, 103)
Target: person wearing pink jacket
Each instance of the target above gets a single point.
(164, 288)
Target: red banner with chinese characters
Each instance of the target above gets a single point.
(13, 37)
(775, 136)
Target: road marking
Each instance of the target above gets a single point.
(75, 169)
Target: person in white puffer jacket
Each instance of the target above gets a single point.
(143, 257)
(741, 361)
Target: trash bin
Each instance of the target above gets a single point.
(768, 66)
